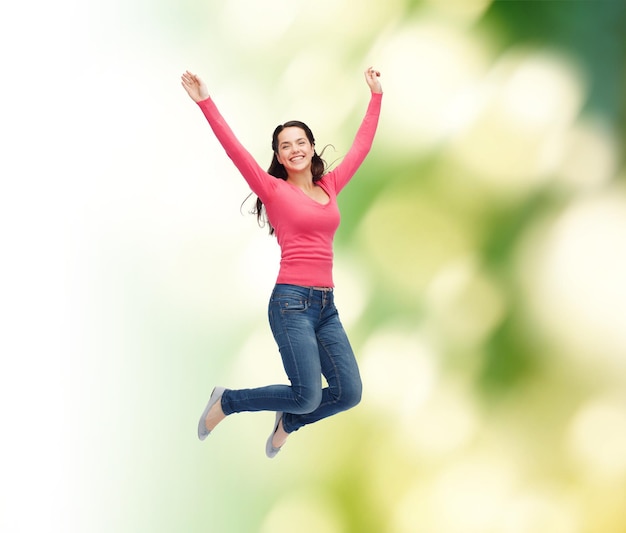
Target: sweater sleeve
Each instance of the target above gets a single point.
(361, 145)
(261, 183)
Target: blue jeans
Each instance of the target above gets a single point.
(312, 343)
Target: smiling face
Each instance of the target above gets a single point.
(295, 151)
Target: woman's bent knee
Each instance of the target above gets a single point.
(307, 402)
(350, 397)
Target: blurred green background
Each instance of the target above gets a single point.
(480, 267)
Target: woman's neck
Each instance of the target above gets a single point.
(304, 180)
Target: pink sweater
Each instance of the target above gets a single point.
(304, 227)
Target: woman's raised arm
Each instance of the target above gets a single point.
(261, 183)
(364, 136)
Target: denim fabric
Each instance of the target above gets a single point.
(312, 343)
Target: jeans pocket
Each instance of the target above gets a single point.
(291, 304)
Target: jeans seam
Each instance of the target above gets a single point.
(291, 349)
(334, 365)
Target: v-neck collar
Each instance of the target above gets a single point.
(310, 197)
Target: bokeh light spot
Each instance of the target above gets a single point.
(597, 438)
(589, 157)
(444, 424)
(400, 371)
(510, 139)
(427, 66)
(464, 304)
(576, 281)
(410, 239)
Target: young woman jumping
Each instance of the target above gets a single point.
(298, 199)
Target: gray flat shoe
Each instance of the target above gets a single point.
(216, 395)
(270, 451)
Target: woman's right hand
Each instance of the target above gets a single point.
(195, 87)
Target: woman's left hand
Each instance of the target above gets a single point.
(371, 77)
(195, 87)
